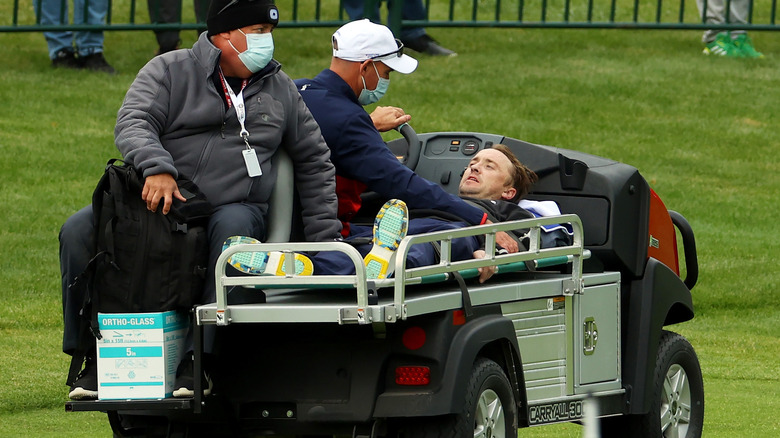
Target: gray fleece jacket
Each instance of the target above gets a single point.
(173, 120)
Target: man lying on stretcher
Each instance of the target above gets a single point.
(494, 181)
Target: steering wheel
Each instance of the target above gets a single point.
(414, 145)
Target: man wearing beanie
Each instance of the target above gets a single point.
(217, 114)
(364, 54)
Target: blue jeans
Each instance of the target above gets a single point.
(411, 10)
(424, 254)
(53, 12)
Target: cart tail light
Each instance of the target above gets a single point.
(412, 376)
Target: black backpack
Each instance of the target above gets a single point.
(146, 262)
(143, 261)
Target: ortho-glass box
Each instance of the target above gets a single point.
(139, 353)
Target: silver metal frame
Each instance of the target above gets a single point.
(360, 311)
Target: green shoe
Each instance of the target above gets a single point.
(745, 45)
(264, 263)
(390, 226)
(723, 46)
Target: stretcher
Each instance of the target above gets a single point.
(385, 299)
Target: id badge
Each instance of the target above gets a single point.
(252, 164)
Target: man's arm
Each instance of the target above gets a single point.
(315, 176)
(360, 154)
(141, 119)
(137, 136)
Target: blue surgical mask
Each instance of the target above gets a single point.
(367, 97)
(259, 50)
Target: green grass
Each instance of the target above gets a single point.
(703, 132)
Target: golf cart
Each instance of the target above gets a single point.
(556, 335)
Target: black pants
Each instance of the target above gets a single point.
(169, 11)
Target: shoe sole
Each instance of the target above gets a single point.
(264, 263)
(185, 392)
(247, 262)
(82, 394)
(390, 227)
(275, 265)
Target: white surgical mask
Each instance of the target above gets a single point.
(259, 50)
(367, 97)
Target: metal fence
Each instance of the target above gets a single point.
(24, 15)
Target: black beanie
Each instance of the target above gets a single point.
(226, 15)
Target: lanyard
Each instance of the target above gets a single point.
(237, 103)
(250, 157)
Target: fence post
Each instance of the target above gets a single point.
(394, 17)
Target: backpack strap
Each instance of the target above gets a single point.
(464, 290)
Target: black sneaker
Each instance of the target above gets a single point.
(96, 62)
(428, 45)
(65, 59)
(185, 382)
(85, 385)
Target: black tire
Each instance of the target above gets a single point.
(678, 396)
(490, 410)
(138, 426)
(146, 426)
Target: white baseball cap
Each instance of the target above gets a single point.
(362, 40)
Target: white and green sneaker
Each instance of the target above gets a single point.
(390, 226)
(264, 263)
(744, 44)
(723, 45)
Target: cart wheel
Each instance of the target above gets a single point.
(132, 426)
(146, 426)
(490, 410)
(678, 396)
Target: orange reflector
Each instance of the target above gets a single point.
(412, 376)
(413, 338)
(458, 317)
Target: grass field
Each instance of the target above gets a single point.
(703, 132)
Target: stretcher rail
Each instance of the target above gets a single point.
(361, 310)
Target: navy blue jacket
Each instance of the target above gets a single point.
(360, 154)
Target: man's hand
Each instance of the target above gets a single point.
(505, 241)
(160, 187)
(386, 118)
(485, 272)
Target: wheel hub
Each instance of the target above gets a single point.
(676, 408)
(489, 421)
